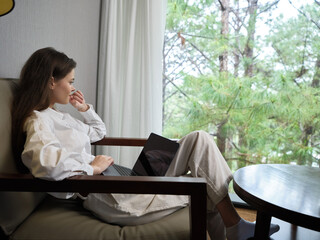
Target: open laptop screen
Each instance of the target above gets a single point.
(156, 156)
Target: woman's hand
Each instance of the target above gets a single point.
(77, 100)
(101, 163)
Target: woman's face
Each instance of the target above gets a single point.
(62, 89)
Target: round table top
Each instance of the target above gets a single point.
(287, 192)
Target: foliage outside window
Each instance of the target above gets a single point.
(247, 76)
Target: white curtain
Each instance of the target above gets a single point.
(129, 94)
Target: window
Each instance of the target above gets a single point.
(248, 74)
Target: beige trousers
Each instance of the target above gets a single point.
(197, 156)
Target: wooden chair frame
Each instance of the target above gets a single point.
(194, 187)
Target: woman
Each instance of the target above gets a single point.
(55, 146)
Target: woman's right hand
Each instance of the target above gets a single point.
(101, 163)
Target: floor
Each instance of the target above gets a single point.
(287, 231)
(247, 214)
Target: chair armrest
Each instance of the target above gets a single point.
(105, 184)
(134, 142)
(194, 187)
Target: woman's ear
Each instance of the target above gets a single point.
(52, 83)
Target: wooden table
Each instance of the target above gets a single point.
(288, 192)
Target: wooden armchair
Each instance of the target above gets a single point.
(26, 212)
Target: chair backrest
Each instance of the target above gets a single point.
(6, 158)
(15, 207)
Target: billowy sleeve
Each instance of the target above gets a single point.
(47, 158)
(96, 128)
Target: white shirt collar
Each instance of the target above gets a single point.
(54, 113)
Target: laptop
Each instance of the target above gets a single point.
(154, 159)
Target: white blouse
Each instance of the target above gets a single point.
(58, 145)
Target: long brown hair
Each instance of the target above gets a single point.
(33, 92)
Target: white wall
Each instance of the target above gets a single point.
(70, 26)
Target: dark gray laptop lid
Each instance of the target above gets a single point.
(156, 156)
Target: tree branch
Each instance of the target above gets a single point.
(280, 56)
(238, 159)
(172, 46)
(195, 64)
(234, 100)
(221, 5)
(171, 95)
(198, 36)
(305, 15)
(183, 93)
(237, 21)
(174, 70)
(268, 6)
(233, 144)
(195, 47)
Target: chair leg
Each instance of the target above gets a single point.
(198, 217)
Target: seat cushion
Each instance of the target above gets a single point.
(15, 207)
(67, 219)
(174, 226)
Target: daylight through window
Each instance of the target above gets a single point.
(248, 73)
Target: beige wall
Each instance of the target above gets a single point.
(71, 26)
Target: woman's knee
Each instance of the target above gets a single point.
(197, 137)
(199, 134)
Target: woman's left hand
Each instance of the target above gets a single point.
(77, 100)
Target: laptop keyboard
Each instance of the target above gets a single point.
(124, 171)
